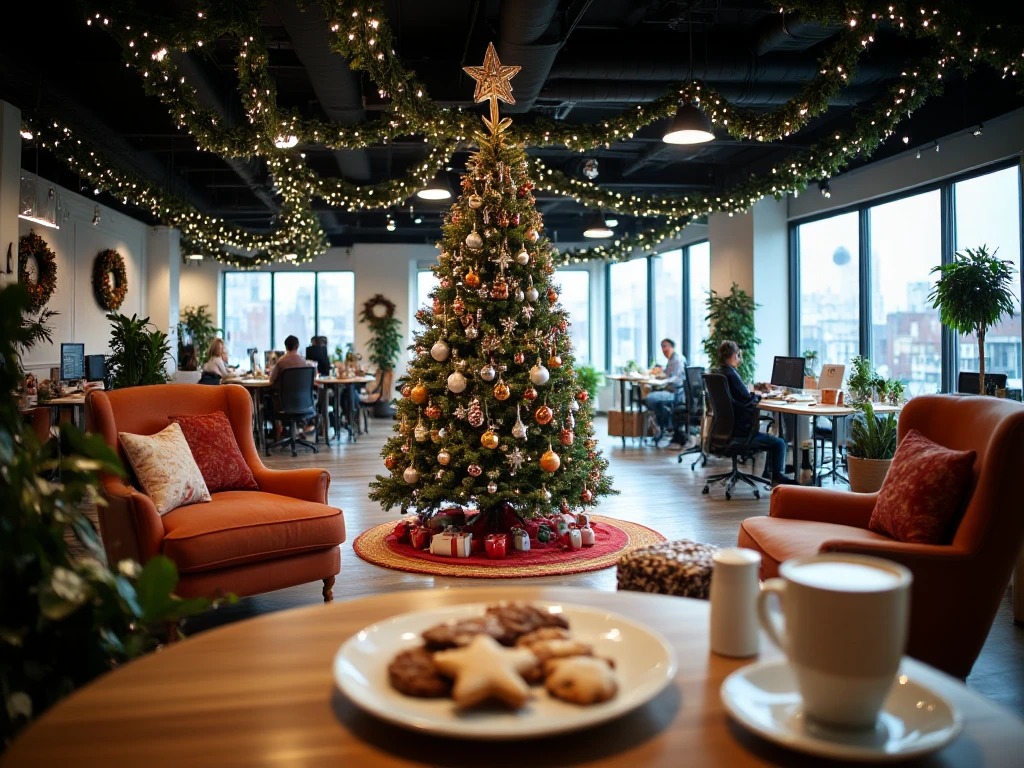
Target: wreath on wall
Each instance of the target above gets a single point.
(385, 344)
(32, 247)
(378, 307)
(109, 292)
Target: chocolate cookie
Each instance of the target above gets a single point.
(460, 633)
(413, 673)
(519, 619)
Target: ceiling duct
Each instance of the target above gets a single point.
(791, 33)
(745, 95)
(523, 23)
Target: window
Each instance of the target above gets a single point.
(699, 284)
(426, 281)
(628, 313)
(261, 309)
(575, 297)
(988, 213)
(336, 308)
(246, 314)
(668, 299)
(829, 278)
(906, 335)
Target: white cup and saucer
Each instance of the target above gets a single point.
(840, 692)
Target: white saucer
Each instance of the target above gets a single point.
(914, 720)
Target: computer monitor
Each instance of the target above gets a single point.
(788, 372)
(319, 354)
(831, 377)
(72, 362)
(95, 368)
(968, 382)
(270, 358)
(251, 354)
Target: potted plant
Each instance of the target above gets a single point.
(139, 352)
(384, 347)
(870, 449)
(196, 328)
(591, 380)
(881, 389)
(810, 376)
(861, 379)
(897, 389)
(731, 317)
(972, 294)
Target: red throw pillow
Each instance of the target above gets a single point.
(923, 489)
(215, 450)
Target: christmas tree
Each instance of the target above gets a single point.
(491, 412)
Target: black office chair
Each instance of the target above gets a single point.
(209, 378)
(694, 403)
(968, 382)
(721, 441)
(294, 404)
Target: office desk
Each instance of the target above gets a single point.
(336, 384)
(812, 411)
(623, 379)
(255, 388)
(75, 403)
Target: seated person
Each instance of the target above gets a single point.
(290, 359)
(744, 406)
(217, 360)
(661, 401)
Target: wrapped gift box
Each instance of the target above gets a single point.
(452, 544)
(419, 537)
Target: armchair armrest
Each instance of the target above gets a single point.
(822, 505)
(306, 484)
(931, 563)
(129, 523)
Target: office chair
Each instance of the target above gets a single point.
(722, 443)
(295, 403)
(695, 414)
(209, 378)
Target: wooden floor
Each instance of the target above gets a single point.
(655, 490)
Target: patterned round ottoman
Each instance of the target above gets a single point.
(681, 568)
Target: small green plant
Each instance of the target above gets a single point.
(972, 294)
(872, 437)
(195, 327)
(731, 317)
(810, 358)
(629, 367)
(590, 379)
(881, 387)
(897, 389)
(861, 378)
(138, 350)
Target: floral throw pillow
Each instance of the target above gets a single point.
(924, 488)
(165, 468)
(216, 452)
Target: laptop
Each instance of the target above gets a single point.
(831, 377)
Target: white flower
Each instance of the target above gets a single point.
(68, 585)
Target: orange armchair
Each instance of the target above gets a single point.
(246, 542)
(958, 583)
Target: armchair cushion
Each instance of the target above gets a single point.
(239, 527)
(924, 487)
(215, 450)
(780, 539)
(165, 468)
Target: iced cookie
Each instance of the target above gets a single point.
(485, 670)
(580, 679)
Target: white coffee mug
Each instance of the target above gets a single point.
(844, 631)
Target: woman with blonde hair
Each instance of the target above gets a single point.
(217, 360)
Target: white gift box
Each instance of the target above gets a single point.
(451, 544)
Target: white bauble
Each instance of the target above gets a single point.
(456, 382)
(523, 257)
(475, 201)
(573, 405)
(531, 294)
(440, 351)
(539, 375)
(411, 475)
(474, 241)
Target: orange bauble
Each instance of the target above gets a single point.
(549, 461)
(566, 436)
(406, 391)
(472, 279)
(419, 394)
(432, 411)
(501, 391)
(530, 393)
(554, 362)
(390, 461)
(583, 395)
(543, 415)
(552, 295)
(438, 307)
(459, 306)
(489, 440)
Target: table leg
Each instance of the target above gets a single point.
(261, 432)
(622, 407)
(324, 397)
(350, 410)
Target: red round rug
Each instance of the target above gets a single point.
(613, 538)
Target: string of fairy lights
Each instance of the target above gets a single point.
(152, 44)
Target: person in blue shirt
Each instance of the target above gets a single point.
(661, 401)
(744, 407)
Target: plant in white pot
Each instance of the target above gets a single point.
(870, 449)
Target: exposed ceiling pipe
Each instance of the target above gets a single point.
(791, 33)
(625, 91)
(207, 95)
(336, 86)
(523, 23)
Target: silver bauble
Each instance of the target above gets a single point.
(440, 350)
(411, 475)
(574, 406)
(474, 241)
(539, 375)
(475, 201)
(487, 373)
(456, 382)
(520, 296)
(492, 487)
(472, 332)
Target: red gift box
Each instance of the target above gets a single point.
(496, 545)
(419, 537)
(402, 532)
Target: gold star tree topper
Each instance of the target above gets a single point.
(493, 83)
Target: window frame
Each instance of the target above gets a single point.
(945, 186)
(273, 295)
(590, 306)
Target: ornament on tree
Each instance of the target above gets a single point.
(504, 220)
(473, 240)
(390, 461)
(475, 470)
(407, 391)
(519, 358)
(566, 436)
(458, 306)
(552, 295)
(523, 257)
(472, 331)
(443, 457)
(563, 325)
(528, 312)
(530, 393)
(509, 325)
(499, 289)
(411, 475)
(533, 235)
(587, 496)
(570, 420)
(543, 415)
(487, 372)
(583, 395)
(432, 411)
(440, 350)
(435, 435)
(549, 461)
(489, 439)
(554, 361)
(519, 295)
(421, 433)
(459, 412)
(472, 279)
(439, 475)
(456, 382)
(419, 394)
(405, 447)
(490, 343)
(539, 374)
(515, 461)
(492, 487)
(518, 429)
(446, 283)
(564, 507)
(438, 307)
(524, 189)
(501, 390)
(475, 201)
(476, 414)
(531, 292)
(573, 406)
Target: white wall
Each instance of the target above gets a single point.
(76, 245)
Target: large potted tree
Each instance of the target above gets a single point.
(870, 449)
(384, 347)
(972, 294)
(731, 317)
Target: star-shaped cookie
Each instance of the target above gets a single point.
(484, 670)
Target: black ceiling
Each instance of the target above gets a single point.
(592, 59)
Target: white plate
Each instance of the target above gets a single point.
(644, 662)
(914, 720)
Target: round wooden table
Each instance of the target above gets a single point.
(260, 693)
